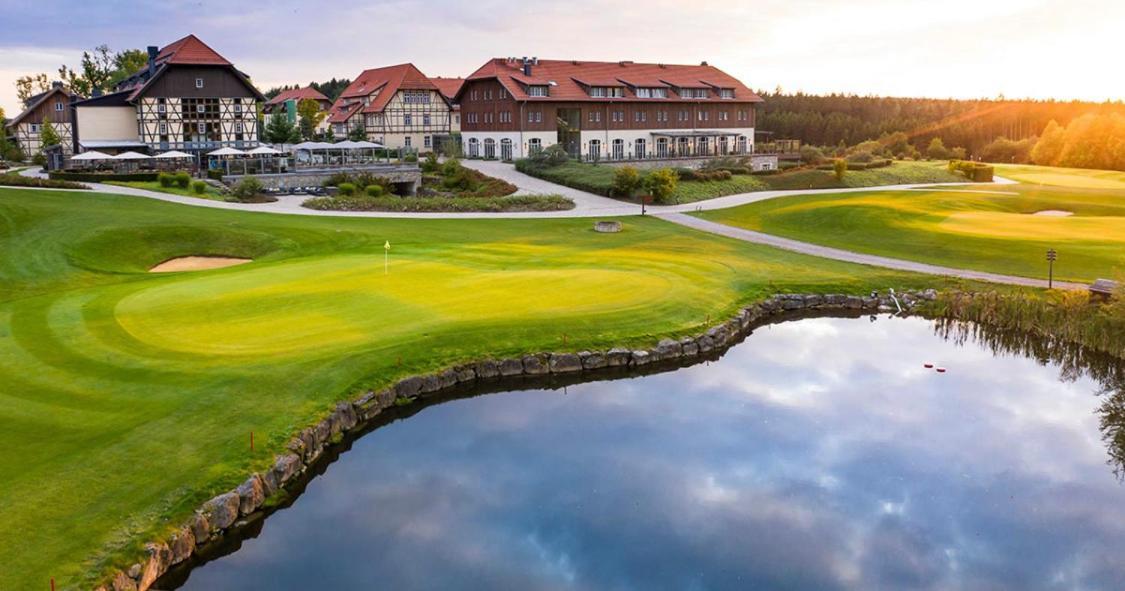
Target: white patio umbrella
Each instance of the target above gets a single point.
(226, 152)
(264, 151)
(173, 155)
(131, 156)
(91, 155)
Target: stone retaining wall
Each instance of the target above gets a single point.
(222, 512)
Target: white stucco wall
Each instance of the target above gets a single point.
(107, 123)
(606, 137)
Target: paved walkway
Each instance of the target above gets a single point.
(591, 205)
(853, 257)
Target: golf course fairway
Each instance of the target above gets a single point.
(129, 397)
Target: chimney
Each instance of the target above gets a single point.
(526, 67)
(703, 64)
(153, 51)
(535, 61)
(56, 84)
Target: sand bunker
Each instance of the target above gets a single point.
(1054, 213)
(196, 264)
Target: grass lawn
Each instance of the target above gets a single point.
(598, 178)
(988, 231)
(1078, 178)
(209, 193)
(129, 397)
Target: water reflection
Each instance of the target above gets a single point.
(819, 454)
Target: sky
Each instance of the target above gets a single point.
(1065, 49)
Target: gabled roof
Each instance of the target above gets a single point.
(387, 81)
(449, 87)
(298, 94)
(341, 111)
(566, 79)
(34, 102)
(190, 50)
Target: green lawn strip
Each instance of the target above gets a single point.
(130, 396)
(209, 193)
(598, 179)
(957, 228)
(441, 204)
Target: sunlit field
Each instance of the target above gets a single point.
(1077, 178)
(128, 397)
(997, 228)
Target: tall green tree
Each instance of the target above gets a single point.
(280, 131)
(309, 116)
(1047, 150)
(102, 69)
(937, 150)
(29, 86)
(357, 134)
(47, 135)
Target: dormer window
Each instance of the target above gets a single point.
(607, 92)
(727, 93)
(698, 93)
(537, 90)
(652, 93)
(199, 83)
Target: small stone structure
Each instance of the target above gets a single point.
(228, 509)
(608, 227)
(406, 178)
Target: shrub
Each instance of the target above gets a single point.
(39, 159)
(438, 204)
(451, 167)
(15, 180)
(99, 177)
(661, 184)
(431, 164)
(198, 187)
(687, 174)
(346, 189)
(840, 168)
(553, 155)
(215, 175)
(247, 189)
(937, 150)
(626, 181)
(166, 180)
(811, 155)
(976, 172)
(861, 157)
(411, 157)
(373, 190)
(183, 179)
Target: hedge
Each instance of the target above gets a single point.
(977, 172)
(14, 180)
(440, 204)
(94, 177)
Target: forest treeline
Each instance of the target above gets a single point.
(1079, 134)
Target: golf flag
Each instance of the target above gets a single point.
(387, 246)
(386, 251)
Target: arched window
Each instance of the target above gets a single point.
(742, 144)
(662, 147)
(683, 147)
(505, 149)
(474, 148)
(703, 146)
(595, 149)
(534, 146)
(640, 148)
(723, 145)
(618, 149)
(489, 148)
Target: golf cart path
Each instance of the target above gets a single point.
(853, 257)
(588, 205)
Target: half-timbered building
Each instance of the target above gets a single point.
(449, 87)
(187, 98)
(397, 106)
(46, 108)
(604, 110)
(286, 102)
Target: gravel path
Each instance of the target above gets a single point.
(854, 257)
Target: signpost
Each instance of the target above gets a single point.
(386, 255)
(1051, 256)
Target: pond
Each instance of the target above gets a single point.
(817, 454)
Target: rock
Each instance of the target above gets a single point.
(511, 367)
(641, 357)
(122, 582)
(447, 379)
(618, 357)
(669, 349)
(853, 303)
(430, 384)
(565, 363)
(297, 446)
(533, 365)
(870, 303)
(792, 304)
(322, 432)
(595, 360)
(386, 398)
(688, 346)
(466, 374)
(182, 544)
(487, 369)
(408, 388)
(285, 468)
(200, 527)
(159, 559)
(221, 511)
(345, 416)
(250, 494)
(814, 301)
(929, 294)
(705, 343)
(134, 571)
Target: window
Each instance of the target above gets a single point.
(426, 141)
(238, 127)
(161, 108)
(58, 106)
(539, 116)
(503, 93)
(505, 149)
(406, 142)
(35, 128)
(682, 116)
(474, 148)
(741, 144)
(237, 107)
(426, 119)
(535, 116)
(457, 119)
(595, 149)
(727, 93)
(506, 117)
(537, 90)
(652, 93)
(618, 149)
(693, 93)
(639, 147)
(407, 119)
(490, 148)
(618, 116)
(201, 127)
(723, 115)
(473, 118)
(199, 83)
(597, 91)
(595, 116)
(163, 128)
(662, 147)
(534, 145)
(488, 117)
(473, 94)
(640, 116)
(488, 94)
(415, 97)
(201, 108)
(703, 115)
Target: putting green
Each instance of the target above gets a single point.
(1076, 178)
(993, 229)
(128, 397)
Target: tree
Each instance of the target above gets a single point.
(309, 117)
(1047, 150)
(937, 150)
(280, 130)
(357, 133)
(958, 153)
(29, 86)
(101, 69)
(47, 135)
(127, 63)
(626, 181)
(840, 168)
(661, 184)
(329, 134)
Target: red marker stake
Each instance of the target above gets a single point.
(52, 583)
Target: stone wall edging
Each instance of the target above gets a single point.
(223, 511)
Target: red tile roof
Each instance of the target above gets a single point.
(297, 94)
(190, 50)
(448, 86)
(566, 79)
(386, 81)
